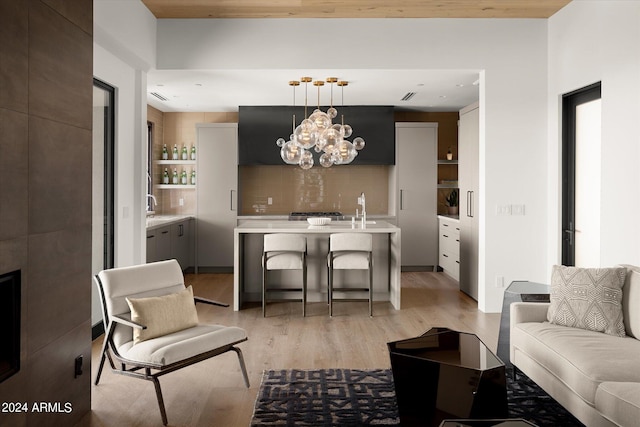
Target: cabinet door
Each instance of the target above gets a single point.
(216, 194)
(468, 141)
(416, 152)
(163, 243)
(181, 243)
(152, 255)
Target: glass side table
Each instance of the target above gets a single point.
(446, 374)
(517, 291)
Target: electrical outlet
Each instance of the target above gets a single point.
(270, 200)
(181, 202)
(499, 281)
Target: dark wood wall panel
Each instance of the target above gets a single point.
(46, 71)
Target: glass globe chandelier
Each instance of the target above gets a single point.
(318, 132)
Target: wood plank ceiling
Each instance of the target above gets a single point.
(354, 8)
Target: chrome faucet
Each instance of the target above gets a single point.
(154, 202)
(362, 202)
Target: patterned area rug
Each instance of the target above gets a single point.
(326, 397)
(356, 397)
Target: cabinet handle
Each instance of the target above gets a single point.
(231, 205)
(401, 199)
(445, 255)
(164, 232)
(445, 225)
(180, 230)
(151, 237)
(444, 235)
(470, 204)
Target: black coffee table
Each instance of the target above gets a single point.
(445, 374)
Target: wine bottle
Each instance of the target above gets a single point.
(183, 177)
(175, 176)
(165, 176)
(175, 151)
(165, 153)
(193, 152)
(185, 154)
(193, 177)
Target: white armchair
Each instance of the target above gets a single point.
(151, 324)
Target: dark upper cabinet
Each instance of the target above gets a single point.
(260, 126)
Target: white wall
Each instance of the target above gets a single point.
(512, 58)
(123, 52)
(591, 41)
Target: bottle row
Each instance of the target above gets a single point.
(179, 155)
(179, 179)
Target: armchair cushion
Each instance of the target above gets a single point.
(181, 345)
(163, 315)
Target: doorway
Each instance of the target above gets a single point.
(103, 220)
(581, 176)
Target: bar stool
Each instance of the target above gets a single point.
(284, 252)
(350, 251)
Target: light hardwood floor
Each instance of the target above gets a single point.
(212, 393)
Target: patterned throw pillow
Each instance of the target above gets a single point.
(587, 298)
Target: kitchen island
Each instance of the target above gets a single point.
(248, 238)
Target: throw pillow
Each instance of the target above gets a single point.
(163, 315)
(587, 298)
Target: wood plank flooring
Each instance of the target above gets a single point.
(212, 393)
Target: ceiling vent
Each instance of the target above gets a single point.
(408, 96)
(160, 97)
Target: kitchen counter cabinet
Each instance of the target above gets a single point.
(171, 240)
(159, 244)
(449, 245)
(247, 252)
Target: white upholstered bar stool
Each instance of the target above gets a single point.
(350, 251)
(284, 252)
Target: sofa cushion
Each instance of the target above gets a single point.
(163, 314)
(631, 301)
(619, 402)
(588, 298)
(579, 358)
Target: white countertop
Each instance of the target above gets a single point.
(284, 226)
(451, 217)
(157, 221)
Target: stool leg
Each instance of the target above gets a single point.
(264, 291)
(304, 285)
(330, 281)
(370, 288)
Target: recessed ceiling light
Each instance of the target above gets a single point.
(459, 85)
(443, 96)
(420, 84)
(198, 84)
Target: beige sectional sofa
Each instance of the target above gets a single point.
(594, 375)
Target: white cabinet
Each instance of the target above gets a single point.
(216, 195)
(416, 154)
(468, 143)
(449, 246)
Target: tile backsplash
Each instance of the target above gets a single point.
(292, 189)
